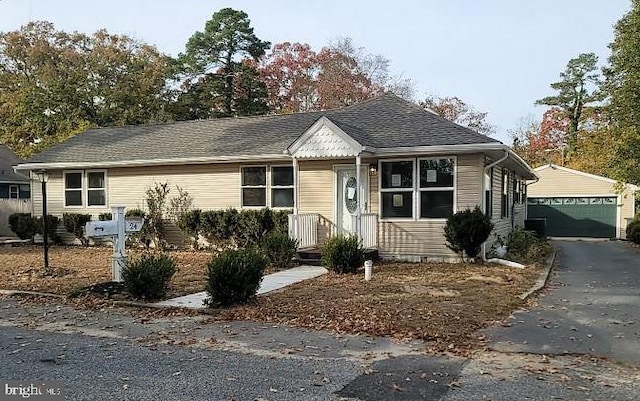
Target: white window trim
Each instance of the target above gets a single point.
(86, 189)
(453, 188)
(412, 189)
(17, 192)
(266, 184)
(271, 186)
(81, 189)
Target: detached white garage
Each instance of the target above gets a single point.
(579, 204)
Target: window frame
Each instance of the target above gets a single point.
(488, 193)
(416, 189)
(453, 188)
(271, 187)
(65, 189)
(399, 189)
(87, 189)
(504, 194)
(265, 186)
(17, 191)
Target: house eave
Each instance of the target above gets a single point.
(152, 162)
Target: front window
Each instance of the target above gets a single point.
(396, 187)
(282, 186)
(96, 188)
(505, 194)
(254, 186)
(436, 188)
(73, 188)
(14, 192)
(488, 192)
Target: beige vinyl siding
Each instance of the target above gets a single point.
(556, 182)
(517, 211)
(316, 193)
(423, 239)
(214, 186)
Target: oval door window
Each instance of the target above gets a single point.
(351, 195)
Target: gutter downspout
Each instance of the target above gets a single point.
(484, 206)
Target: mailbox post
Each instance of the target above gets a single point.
(116, 230)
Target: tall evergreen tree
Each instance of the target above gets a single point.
(577, 88)
(215, 62)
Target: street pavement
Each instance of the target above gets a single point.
(113, 354)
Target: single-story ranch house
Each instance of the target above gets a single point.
(384, 169)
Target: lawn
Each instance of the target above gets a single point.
(444, 304)
(77, 267)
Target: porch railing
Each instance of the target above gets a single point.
(304, 228)
(368, 229)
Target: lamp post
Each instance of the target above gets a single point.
(43, 177)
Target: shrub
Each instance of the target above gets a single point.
(633, 231)
(52, 228)
(234, 276)
(105, 216)
(74, 223)
(281, 220)
(148, 276)
(189, 224)
(279, 249)
(466, 230)
(156, 201)
(526, 247)
(23, 224)
(343, 254)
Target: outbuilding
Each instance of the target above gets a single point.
(579, 204)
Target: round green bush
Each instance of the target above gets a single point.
(343, 254)
(466, 230)
(23, 225)
(234, 276)
(633, 231)
(148, 276)
(279, 249)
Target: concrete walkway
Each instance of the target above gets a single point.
(270, 282)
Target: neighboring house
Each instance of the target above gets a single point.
(12, 185)
(385, 168)
(579, 204)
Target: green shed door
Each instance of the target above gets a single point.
(576, 217)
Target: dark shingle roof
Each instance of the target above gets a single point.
(383, 122)
(8, 159)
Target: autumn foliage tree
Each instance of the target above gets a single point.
(300, 79)
(55, 84)
(454, 109)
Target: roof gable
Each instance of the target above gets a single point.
(324, 139)
(581, 174)
(7, 160)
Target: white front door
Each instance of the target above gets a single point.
(348, 198)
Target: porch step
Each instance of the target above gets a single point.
(313, 256)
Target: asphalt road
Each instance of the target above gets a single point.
(592, 306)
(542, 354)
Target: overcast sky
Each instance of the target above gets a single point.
(498, 55)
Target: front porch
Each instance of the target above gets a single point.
(311, 230)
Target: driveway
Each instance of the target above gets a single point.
(592, 306)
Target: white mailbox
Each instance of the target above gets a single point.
(101, 228)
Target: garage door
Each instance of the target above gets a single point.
(576, 217)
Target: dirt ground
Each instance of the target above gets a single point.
(75, 267)
(442, 303)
